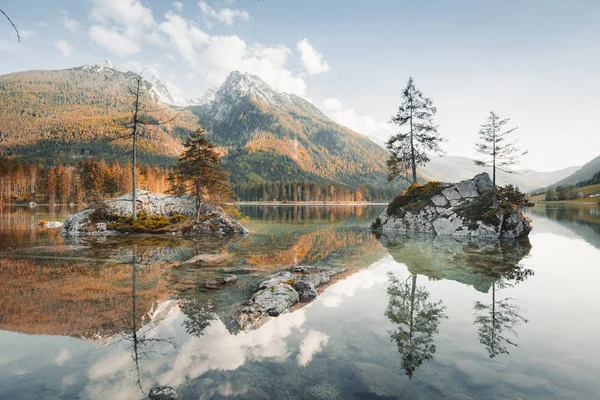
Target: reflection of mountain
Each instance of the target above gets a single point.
(73, 299)
(474, 263)
(583, 221)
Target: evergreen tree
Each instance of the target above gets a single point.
(493, 144)
(410, 148)
(199, 172)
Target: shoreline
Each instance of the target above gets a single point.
(304, 203)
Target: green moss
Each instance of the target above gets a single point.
(414, 199)
(177, 218)
(144, 224)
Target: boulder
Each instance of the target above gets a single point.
(49, 224)
(281, 290)
(162, 393)
(464, 209)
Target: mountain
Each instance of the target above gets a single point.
(584, 173)
(455, 169)
(160, 93)
(268, 135)
(73, 113)
(265, 136)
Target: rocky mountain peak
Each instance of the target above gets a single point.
(240, 84)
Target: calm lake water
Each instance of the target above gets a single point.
(411, 318)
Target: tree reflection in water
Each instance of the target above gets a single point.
(499, 319)
(142, 336)
(417, 320)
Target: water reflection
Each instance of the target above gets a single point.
(417, 320)
(471, 262)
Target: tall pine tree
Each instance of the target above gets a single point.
(411, 147)
(199, 172)
(493, 143)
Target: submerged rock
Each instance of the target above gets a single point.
(162, 393)
(283, 289)
(49, 224)
(462, 209)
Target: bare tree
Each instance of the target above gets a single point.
(13, 25)
(493, 144)
(410, 148)
(140, 117)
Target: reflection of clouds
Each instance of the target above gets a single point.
(109, 365)
(311, 344)
(219, 349)
(365, 279)
(63, 356)
(68, 380)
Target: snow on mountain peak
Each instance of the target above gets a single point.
(170, 95)
(100, 66)
(238, 84)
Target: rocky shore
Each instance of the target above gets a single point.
(156, 214)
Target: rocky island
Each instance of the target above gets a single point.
(467, 209)
(157, 213)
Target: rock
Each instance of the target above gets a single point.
(212, 220)
(208, 259)
(276, 299)
(219, 283)
(306, 291)
(439, 200)
(162, 393)
(281, 290)
(275, 279)
(462, 209)
(370, 381)
(49, 224)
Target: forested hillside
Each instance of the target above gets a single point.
(71, 114)
(275, 146)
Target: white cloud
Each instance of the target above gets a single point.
(178, 5)
(25, 33)
(311, 60)
(64, 47)
(311, 345)
(225, 15)
(63, 356)
(215, 57)
(333, 104)
(363, 124)
(122, 25)
(71, 24)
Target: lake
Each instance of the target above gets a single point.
(410, 317)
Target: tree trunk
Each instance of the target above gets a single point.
(412, 147)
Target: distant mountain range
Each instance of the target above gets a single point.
(265, 135)
(455, 169)
(584, 173)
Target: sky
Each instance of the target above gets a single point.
(536, 62)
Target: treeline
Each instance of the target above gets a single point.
(592, 181)
(306, 191)
(89, 180)
(94, 179)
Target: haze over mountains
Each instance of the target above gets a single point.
(265, 135)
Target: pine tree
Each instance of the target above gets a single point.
(493, 143)
(410, 148)
(199, 172)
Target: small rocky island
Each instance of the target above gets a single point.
(465, 209)
(156, 213)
